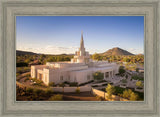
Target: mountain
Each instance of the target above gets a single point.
(117, 51)
(19, 52)
(113, 51)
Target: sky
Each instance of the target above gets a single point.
(62, 34)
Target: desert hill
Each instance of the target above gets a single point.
(116, 51)
(20, 52)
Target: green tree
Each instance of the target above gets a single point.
(121, 70)
(98, 76)
(95, 56)
(110, 90)
(124, 81)
(51, 59)
(126, 76)
(27, 61)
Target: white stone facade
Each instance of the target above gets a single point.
(80, 69)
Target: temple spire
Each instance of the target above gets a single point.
(82, 42)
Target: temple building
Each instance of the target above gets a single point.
(80, 69)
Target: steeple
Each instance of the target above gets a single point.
(82, 42)
(81, 56)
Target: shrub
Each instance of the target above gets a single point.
(29, 90)
(66, 82)
(37, 91)
(136, 77)
(51, 84)
(140, 95)
(121, 95)
(73, 84)
(139, 84)
(38, 82)
(133, 96)
(121, 70)
(57, 97)
(124, 81)
(61, 84)
(78, 90)
(98, 76)
(127, 93)
(118, 90)
(49, 92)
(99, 98)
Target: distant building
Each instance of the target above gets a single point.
(80, 69)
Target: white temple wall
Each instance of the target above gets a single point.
(46, 76)
(72, 77)
(81, 77)
(33, 72)
(34, 69)
(58, 76)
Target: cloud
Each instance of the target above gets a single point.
(50, 49)
(135, 51)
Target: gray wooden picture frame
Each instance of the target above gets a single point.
(9, 9)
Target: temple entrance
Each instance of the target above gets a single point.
(107, 75)
(40, 76)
